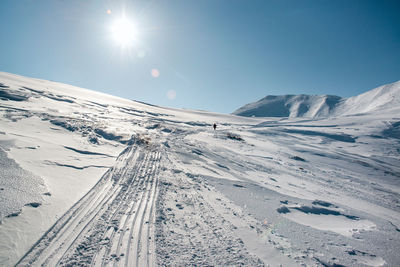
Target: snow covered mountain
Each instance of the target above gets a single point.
(385, 97)
(90, 179)
(291, 106)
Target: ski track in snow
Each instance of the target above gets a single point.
(110, 225)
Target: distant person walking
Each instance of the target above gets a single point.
(215, 126)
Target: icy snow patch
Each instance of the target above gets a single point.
(327, 220)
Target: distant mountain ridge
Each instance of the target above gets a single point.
(383, 98)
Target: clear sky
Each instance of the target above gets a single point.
(205, 54)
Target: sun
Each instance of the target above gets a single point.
(124, 32)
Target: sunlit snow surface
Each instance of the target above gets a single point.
(89, 178)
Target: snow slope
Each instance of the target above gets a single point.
(91, 179)
(386, 97)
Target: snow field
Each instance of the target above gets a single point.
(124, 183)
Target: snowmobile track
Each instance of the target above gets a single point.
(112, 224)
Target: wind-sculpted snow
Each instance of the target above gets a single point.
(86, 152)
(106, 135)
(18, 188)
(13, 96)
(337, 137)
(317, 211)
(88, 129)
(322, 203)
(76, 167)
(124, 183)
(393, 131)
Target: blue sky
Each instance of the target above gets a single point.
(212, 54)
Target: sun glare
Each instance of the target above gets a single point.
(124, 32)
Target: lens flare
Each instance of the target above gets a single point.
(171, 94)
(155, 73)
(141, 53)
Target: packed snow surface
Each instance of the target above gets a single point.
(385, 98)
(91, 179)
